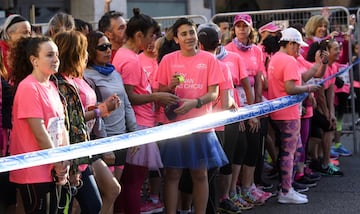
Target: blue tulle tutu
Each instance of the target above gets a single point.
(194, 151)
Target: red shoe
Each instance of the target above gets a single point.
(149, 207)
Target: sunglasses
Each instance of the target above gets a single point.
(103, 47)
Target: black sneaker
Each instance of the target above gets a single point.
(315, 164)
(298, 187)
(273, 174)
(227, 206)
(306, 181)
(265, 186)
(331, 170)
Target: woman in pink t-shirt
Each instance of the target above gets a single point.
(248, 155)
(197, 87)
(38, 122)
(285, 79)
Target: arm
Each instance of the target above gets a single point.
(188, 104)
(107, 5)
(247, 88)
(258, 87)
(42, 136)
(293, 89)
(140, 99)
(226, 100)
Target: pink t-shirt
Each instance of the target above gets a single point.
(253, 59)
(238, 71)
(127, 63)
(282, 68)
(150, 67)
(33, 100)
(330, 70)
(199, 72)
(226, 85)
(305, 66)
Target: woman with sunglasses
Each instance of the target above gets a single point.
(105, 80)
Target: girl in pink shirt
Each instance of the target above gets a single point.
(199, 151)
(141, 31)
(38, 122)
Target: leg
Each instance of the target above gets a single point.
(200, 190)
(108, 185)
(172, 178)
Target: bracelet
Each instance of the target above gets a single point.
(97, 113)
(308, 88)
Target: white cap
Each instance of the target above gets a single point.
(292, 35)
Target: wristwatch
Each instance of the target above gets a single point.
(199, 103)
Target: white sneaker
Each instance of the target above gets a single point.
(300, 194)
(291, 197)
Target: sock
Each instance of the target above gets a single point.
(232, 194)
(223, 198)
(245, 189)
(184, 211)
(337, 145)
(298, 176)
(154, 199)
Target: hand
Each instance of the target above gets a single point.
(62, 172)
(109, 158)
(314, 87)
(322, 57)
(133, 150)
(113, 102)
(166, 98)
(185, 106)
(254, 124)
(175, 81)
(242, 127)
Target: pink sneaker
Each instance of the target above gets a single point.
(262, 195)
(149, 207)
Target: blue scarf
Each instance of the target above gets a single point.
(222, 54)
(240, 45)
(106, 70)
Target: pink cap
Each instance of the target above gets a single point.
(270, 27)
(243, 17)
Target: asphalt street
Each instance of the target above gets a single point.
(333, 194)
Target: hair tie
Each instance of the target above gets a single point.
(15, 20)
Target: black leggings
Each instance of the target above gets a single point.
(42, 198)
(247, 147)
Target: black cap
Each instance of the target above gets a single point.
(208, 37)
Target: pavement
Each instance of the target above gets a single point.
(332, 195)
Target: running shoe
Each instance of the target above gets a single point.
(306, 181)
(291, 198)
(228, 206)
(331, 170)
(149, 207)
(299, 187)
(241, 203)
(341, 150)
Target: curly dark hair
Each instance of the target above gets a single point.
(20, 57)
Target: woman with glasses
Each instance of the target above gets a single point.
(106, 81)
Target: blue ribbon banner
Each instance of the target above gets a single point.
(154, 134)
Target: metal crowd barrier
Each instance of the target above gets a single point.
(164, 21)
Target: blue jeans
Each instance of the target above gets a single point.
(88, 195)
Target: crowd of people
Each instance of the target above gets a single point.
(75, 84)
